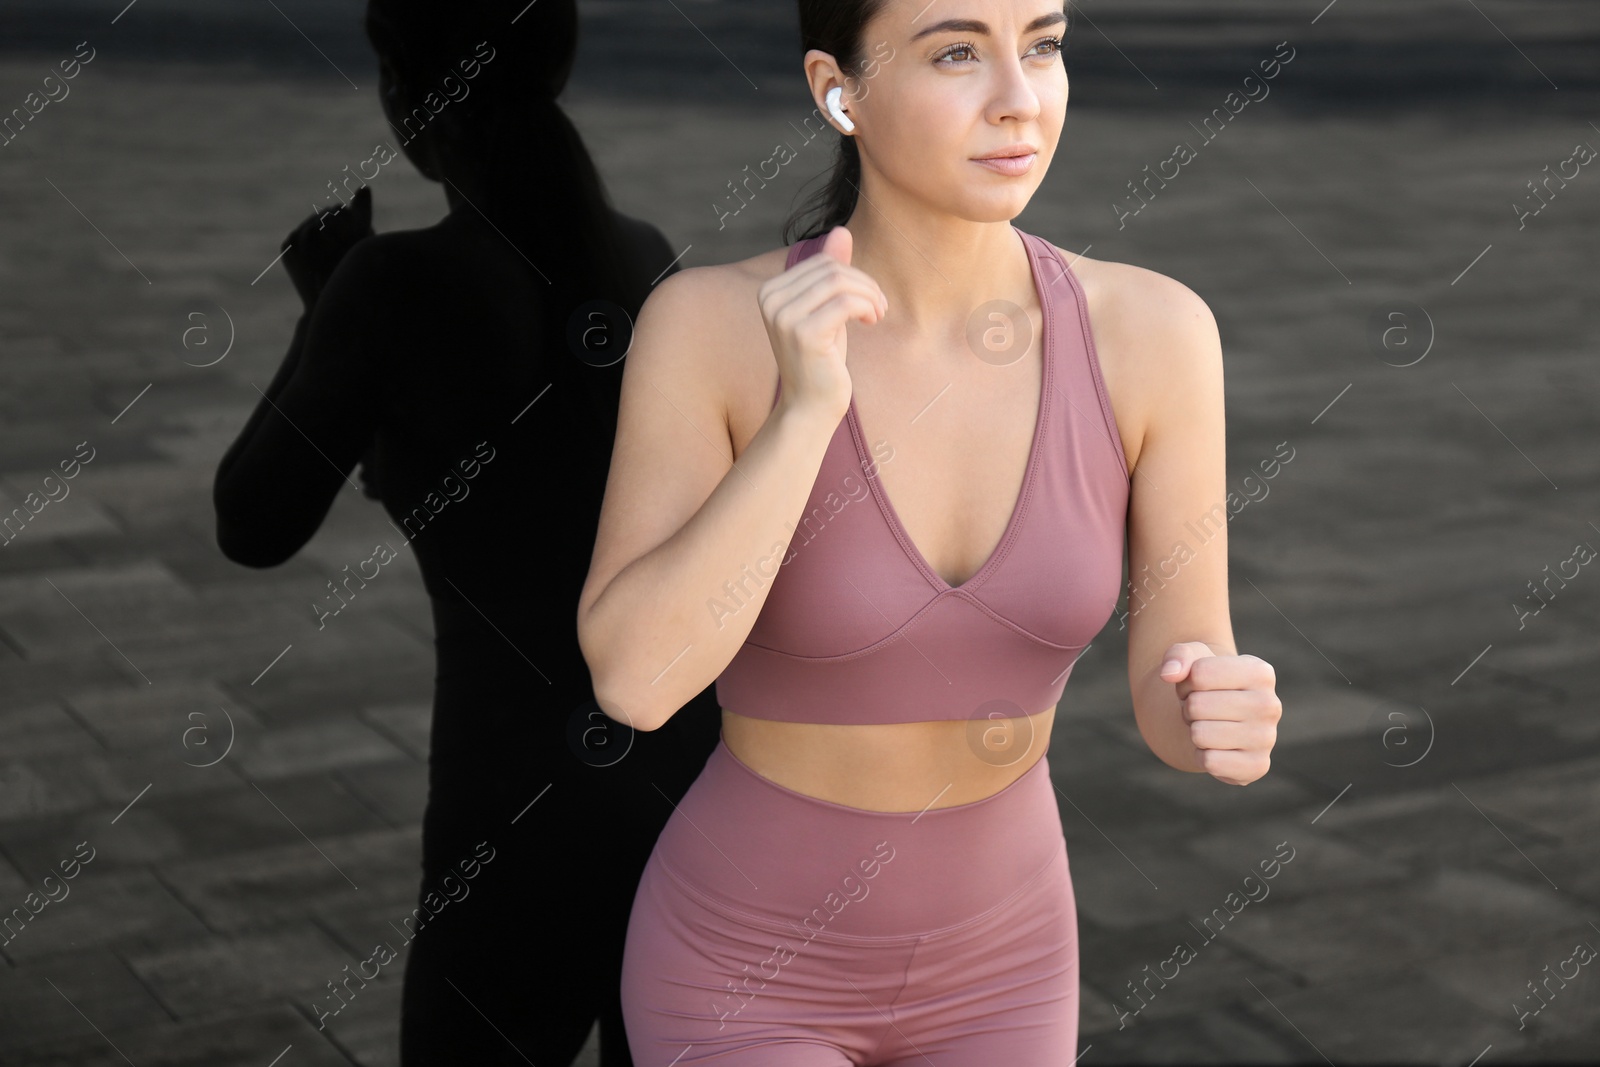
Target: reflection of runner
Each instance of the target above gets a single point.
(423, 348)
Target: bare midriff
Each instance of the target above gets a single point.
(909, 766)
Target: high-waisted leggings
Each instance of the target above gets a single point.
(776, 928)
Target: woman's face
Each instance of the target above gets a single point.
(942, 84)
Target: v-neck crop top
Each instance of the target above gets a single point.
(858, 628)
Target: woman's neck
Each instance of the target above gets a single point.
(937, 276)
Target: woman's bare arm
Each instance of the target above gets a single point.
(680, 519)
(1179, 487)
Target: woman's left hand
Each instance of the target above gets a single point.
(1231, 706)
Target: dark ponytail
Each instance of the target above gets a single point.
(838, 28)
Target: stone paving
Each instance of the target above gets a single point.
(1437, 773)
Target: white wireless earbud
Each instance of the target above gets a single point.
(838, 112)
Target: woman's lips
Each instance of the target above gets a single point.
(1012, 166)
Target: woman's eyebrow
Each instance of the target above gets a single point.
(1054, 18)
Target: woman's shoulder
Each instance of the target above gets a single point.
(718, 305)
(723, 296)
(739, 274)
(1140, 317)
(1132, 294)
(1150, 331)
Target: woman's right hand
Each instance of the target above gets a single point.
(315, 247)
(805, 309)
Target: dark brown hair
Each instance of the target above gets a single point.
(838, 28)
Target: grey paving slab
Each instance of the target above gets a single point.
(1462, 897)
(408, 725)
(1430, 831)
(397, 790)
(1575, 1049)
(24, 682)
(29, 792)
(117, 909)
(229, 817)
(1100, 810)
(1562, 799)
(337, 740)
(1217, 1036)
(197, 975)
(1541, 988)
(150, 495)
(1467, 742)
(13, 885)
(1203, 795)
(359, 927)
(112, 781)
(1572, 866)
(139, 835)
(1401, 1016)
(38, 997)
(282, 696)
(125, 716)
(43, 727)
(56, 509)
(1567, 647)
(181, 646)
(1336, 935)
(312, 805)
(268, 885)
(18, 557)
(140, 582)
(238, 1039)
(1133, 881)
(1097, 1014)
(1318, 860)
(368, 1027)
(1082, 747)
(1167, 970)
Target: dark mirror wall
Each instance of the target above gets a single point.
(215, 745)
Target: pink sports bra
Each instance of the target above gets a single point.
(858, 628)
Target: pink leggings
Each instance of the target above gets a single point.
(776, 928)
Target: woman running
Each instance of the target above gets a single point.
(444, 360)
(892, 580)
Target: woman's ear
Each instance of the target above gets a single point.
(823, 73)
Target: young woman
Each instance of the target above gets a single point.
(891, 583)
(441, 359)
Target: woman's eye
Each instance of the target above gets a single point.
(953, 50)
(1051, 44)
(1055, 46)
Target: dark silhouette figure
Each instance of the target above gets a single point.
(468, 369)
